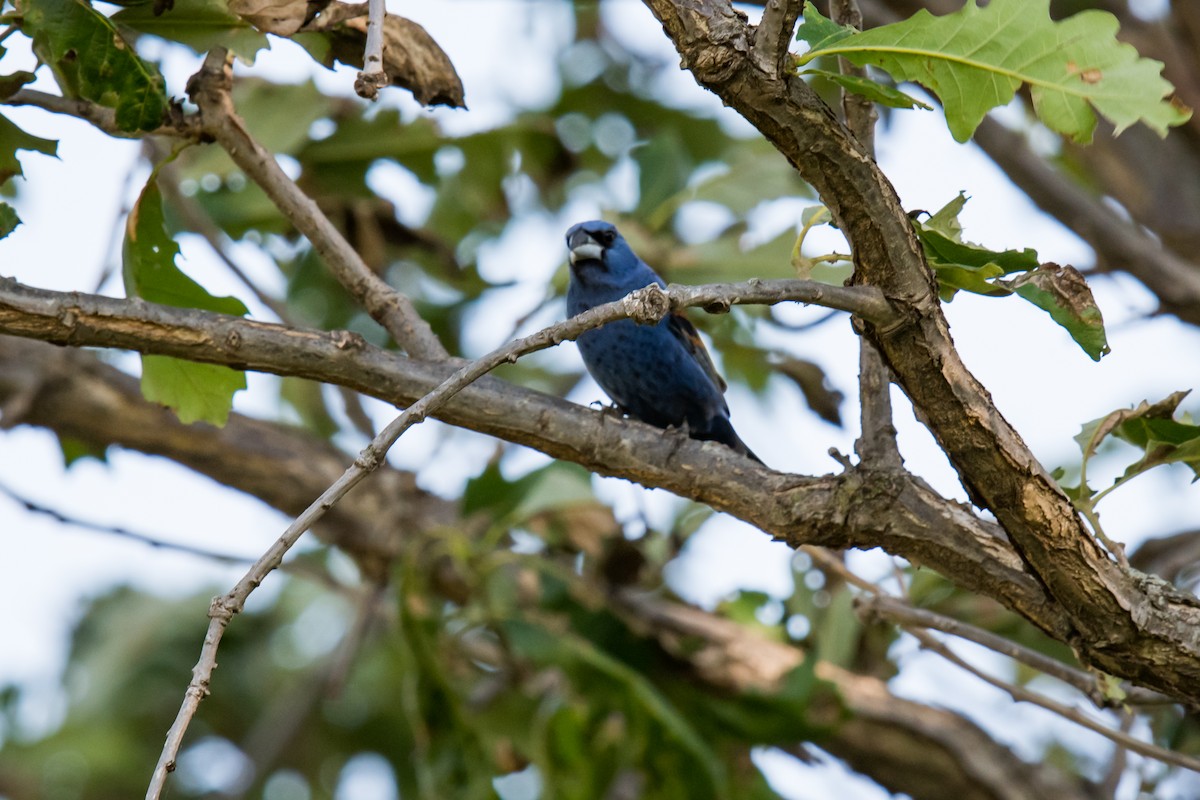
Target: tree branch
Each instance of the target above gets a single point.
(74, 394)
(898, 513)
(773, 36)
(177, 125)
(639, 305)
(1021, 694)
(885, 607)
(1125, 624)
(210, 90)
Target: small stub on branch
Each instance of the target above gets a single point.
(368, 84)
(648, 305)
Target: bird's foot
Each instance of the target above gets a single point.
(608, 409)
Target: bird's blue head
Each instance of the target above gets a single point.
(596, 246)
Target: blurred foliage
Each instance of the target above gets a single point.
(486, 661)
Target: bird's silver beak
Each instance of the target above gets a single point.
(584, 248)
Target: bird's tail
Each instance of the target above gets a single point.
(720, 429)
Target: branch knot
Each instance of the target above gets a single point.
(647, 306)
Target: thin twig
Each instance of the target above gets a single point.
(373, 76)
(116, 530)
(210, 90)
(645, 305)
(103, 117)
(876, 446)
(1021, 694)
(828, 561)
(901, 613)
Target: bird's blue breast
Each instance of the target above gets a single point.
(650, 375)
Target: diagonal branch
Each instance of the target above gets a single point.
(1124, 623)
(856, 509)
(102, 117)
(210, 90)
(649, 304)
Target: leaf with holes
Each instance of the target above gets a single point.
(91, 60)
(975, 59)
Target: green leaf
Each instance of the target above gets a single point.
(91, 60)
(945, 219)
(960, 265)
(195, 392)
(880, 93)
(148, 262)
(815, 215)
(1152, 428)
(8, 220)
(567, 649)
(13, 139)
(976, 58)
(1064, 294)
(200, 25)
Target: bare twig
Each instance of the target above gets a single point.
(1120, 759)
(1021, 694)
(373, 76)
(116, 530)
(876, 446)
(103, 117)
(210, 90)
(914, 621)
(645, 305)
(901, 613)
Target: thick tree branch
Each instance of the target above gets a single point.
(210, 90)
(74, 394)
(82, 397)
(1123, 623)
(895, 512)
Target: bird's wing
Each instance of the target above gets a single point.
(685, 332)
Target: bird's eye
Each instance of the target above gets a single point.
(605, 238)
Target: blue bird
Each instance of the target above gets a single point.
(660, 374)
